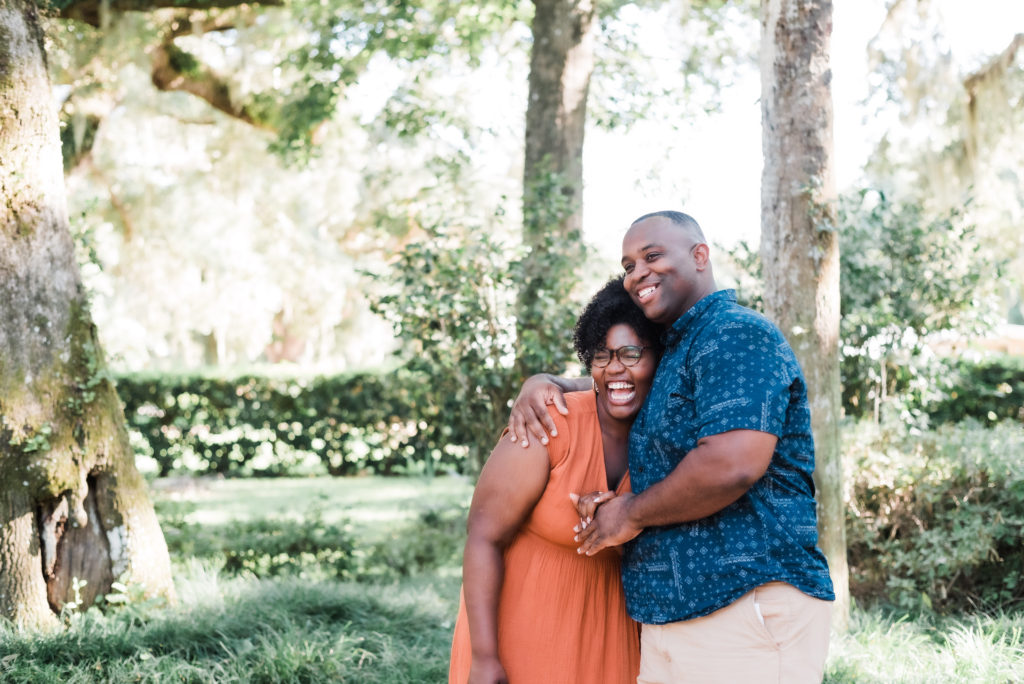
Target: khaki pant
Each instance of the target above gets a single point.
(774, 634)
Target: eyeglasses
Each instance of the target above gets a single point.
(629, 355)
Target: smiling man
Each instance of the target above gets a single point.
(721, 561)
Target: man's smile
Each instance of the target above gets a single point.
(646, 292)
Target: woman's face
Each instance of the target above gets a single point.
(621, 389)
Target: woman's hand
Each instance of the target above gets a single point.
(487, 671)
(586, 505)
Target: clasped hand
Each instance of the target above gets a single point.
(604, 521)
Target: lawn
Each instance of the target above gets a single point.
(357, 580)
(374, 506)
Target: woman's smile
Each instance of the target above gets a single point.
(620, 392)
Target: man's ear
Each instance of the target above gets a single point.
(702, 256)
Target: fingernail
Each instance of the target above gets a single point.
(543, 440)
(554, 433)
(585, 524)
(588, 520)
(525, 443)
(579, 550)
(576, 538)
(576, 528)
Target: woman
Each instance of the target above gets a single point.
(533, 609)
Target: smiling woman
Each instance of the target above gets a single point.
(528, 596)
(625, 372)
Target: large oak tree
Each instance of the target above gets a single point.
(72, 504)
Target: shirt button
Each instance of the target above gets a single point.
(640, 469)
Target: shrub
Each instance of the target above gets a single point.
(475, 317)
(308, 546)
(252, 425)
(268, 547)
(936, 519)
(434, 540)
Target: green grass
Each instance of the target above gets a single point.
(882, 647)
(263, 572)
(246, 630)
(357, 580)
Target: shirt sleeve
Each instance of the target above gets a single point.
(743, 372)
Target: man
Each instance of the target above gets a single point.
(721, 562)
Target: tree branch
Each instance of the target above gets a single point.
(92, 11)
(176, 69)
(995, 69)
(997, 66)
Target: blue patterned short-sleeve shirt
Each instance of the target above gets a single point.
(725, 368)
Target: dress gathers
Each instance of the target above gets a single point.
(562, 616)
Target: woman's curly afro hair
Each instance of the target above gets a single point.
(609, 307)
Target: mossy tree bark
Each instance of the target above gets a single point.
(561, 64)
(799, 245)
(72, 504)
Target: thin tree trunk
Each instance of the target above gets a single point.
(561, 63)
(72, 504)
(799, 246)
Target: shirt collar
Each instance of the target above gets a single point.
(684, 323)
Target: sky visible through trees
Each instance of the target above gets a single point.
(712, 166)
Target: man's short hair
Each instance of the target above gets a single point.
(680, 219)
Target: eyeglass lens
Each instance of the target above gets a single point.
(628, 355)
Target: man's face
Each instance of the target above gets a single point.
(663, 268)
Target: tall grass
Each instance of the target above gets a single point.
(887, 648)
(357, 580)
(248, 630)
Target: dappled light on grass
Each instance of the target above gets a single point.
(372, 504)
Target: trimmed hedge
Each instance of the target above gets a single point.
(251, 425)
(989, 391)
(391, 423)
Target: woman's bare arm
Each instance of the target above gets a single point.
(510, 485)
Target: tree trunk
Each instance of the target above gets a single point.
(72, 504)
(799, 245)
(561, 63)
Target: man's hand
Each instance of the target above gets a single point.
(529, 410)
(611, 527)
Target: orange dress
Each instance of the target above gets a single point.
(562, 616)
